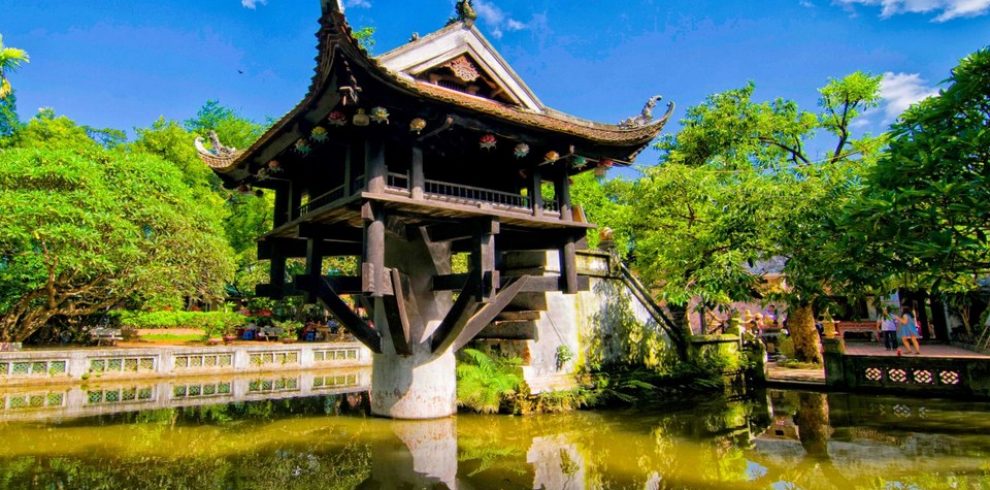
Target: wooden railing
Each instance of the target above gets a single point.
(397, 181)
(465, 193)
(321, 200)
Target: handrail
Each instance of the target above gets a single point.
(325, 198)
(397, 180)
(470, 193)
(639, 290)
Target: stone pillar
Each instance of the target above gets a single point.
(422, 385)
(427, 457)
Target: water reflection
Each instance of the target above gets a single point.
(771, 440)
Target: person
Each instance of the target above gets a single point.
(907, 330)
(888, 329)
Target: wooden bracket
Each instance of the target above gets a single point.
(455, 320)
(363, 332)
(396, 314)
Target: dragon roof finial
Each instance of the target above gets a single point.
(466, 12)
(645, 117)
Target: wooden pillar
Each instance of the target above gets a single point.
(417, 178)
(535, 192)
(563, 186)
(348, 178)
(314, 265)
(281, 214)
(568, 265)
(374, 165)
(295, 200)
(483, 260)
(276, 271)
(373, 259)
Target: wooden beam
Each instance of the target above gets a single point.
(535, 284)
(276, 291)
(363, 332)
(455, 320)
(397, 316)
(291, 247)
(488, 312)
(444, 232)
(295, 199)
(348, 179)
(339, 232)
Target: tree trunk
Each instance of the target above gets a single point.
(813, 424)
(801, 324)
(678, 315)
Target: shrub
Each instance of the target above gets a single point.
(214, 322)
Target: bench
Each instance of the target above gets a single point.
(104, 334)
(843, 327)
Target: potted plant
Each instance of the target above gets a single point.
(289, 330)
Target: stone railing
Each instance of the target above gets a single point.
(110, 396)
(33, 367)
(930, 376)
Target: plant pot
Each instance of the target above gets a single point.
(289, 341)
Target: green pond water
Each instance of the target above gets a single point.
(275, 433)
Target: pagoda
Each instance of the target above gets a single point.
(402, 160)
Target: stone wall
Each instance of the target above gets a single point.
(929, 376)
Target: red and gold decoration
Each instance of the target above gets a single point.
(274, 166)
(337, 118)
(552, 156)
(361, 118)
(488, 142)
(521, 150)
(379, 115)
(302, 147)
(602, 168)
(319, 134)
(417, 125)
(244, 189)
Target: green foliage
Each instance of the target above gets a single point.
(365, 37)
(86, 227)
(924, 218)
(607, 204)
(484, 382)
(9, 120)
(231, 128)
(10, 60)
(208, 320)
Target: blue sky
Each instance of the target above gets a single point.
(122, 64)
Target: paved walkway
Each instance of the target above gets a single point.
(788, 375)
(938, 350)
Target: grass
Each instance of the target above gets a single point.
(793, 364)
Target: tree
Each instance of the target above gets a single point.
(924, 218)
(84, 228)
(759, 194)
(10, 60)
(250, 216)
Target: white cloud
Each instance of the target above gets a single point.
(900, 90)
(252, 4)
(945, 9)
(496, 19)
(357, 4)
(806, 4)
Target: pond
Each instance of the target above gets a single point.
(295, 438)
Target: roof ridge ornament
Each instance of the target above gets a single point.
(465, 12)
(219, 156)
(646, 116)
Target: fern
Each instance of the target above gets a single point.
(483, 382)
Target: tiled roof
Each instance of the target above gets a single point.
(335, 38)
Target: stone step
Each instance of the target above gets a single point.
(528, 301)
(518, 316)
(509, 331)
